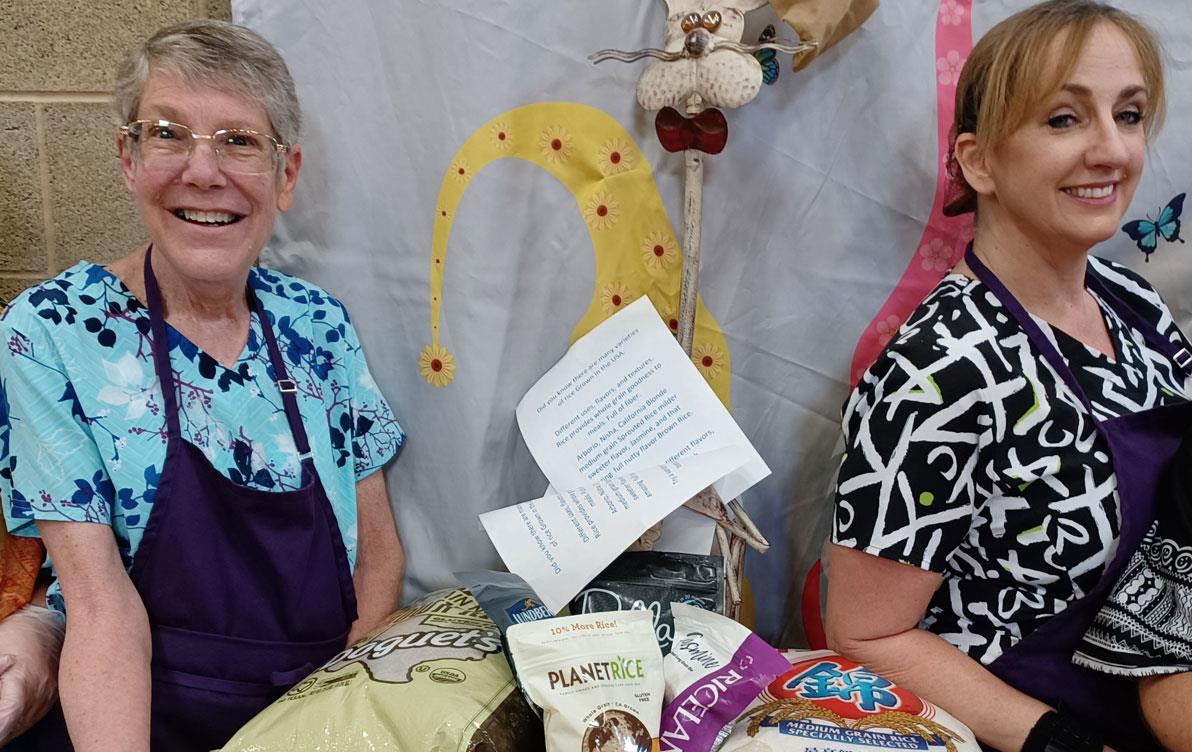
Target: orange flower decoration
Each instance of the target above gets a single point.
(615, 296)
(614, 157)
(709, 359)
(461, 171)
(659, 251)
(436, 365)
(555, 144)
(500, 135)
(601, 211)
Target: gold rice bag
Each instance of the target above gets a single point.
(432, 677)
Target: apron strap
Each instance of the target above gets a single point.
(287, 386)
(1027, 322)
(165, 374)
(160, 347)
(1178, 354)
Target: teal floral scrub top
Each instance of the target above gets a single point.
(82, 429)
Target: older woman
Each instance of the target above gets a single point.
(196, 439)
(1003, 452)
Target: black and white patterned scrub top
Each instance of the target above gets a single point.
(967, 455)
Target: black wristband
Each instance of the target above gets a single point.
(1056, 731)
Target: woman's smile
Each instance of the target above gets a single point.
(207, 218)
(1094, 194)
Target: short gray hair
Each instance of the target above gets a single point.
(208, 51)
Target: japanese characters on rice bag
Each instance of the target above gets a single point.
(828, 700)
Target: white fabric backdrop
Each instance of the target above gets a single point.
(812, 214)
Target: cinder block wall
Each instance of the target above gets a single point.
(61, 197)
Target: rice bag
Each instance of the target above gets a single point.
(715, 669)
(597, 677)
(432, 677)
(505, 597)
(651, 581)
(826, 702)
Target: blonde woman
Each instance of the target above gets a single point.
(1003, 452)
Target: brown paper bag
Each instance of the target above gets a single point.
(824, 22)
(20, 559)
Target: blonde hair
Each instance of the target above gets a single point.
(1024, 60)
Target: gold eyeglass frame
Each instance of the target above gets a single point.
(279, 149)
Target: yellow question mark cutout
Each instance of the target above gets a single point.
(613, 185)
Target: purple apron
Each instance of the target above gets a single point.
(1141, 445)
(247, 591)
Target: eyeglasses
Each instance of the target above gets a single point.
(163, 145)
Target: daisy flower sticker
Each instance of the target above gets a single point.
(659, 251)
(709, 359)
(601, 211)
(436, 365)
(460, 171)
(670, 316)
(555, 144)
(614, 157)
(614, 296)
(500, 136)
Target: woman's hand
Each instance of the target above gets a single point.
(874, 609)
(32, 642)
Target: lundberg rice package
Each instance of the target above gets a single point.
(508, 600)
(505, 597)
(715, 669)
(432, 677)
(828, 703)
(597, 677)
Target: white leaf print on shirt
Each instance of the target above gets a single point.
(127, 386)
(54, 447)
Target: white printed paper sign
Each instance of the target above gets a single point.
(626, 396)
(560, 542)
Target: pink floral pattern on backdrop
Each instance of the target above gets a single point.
(944, 238)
